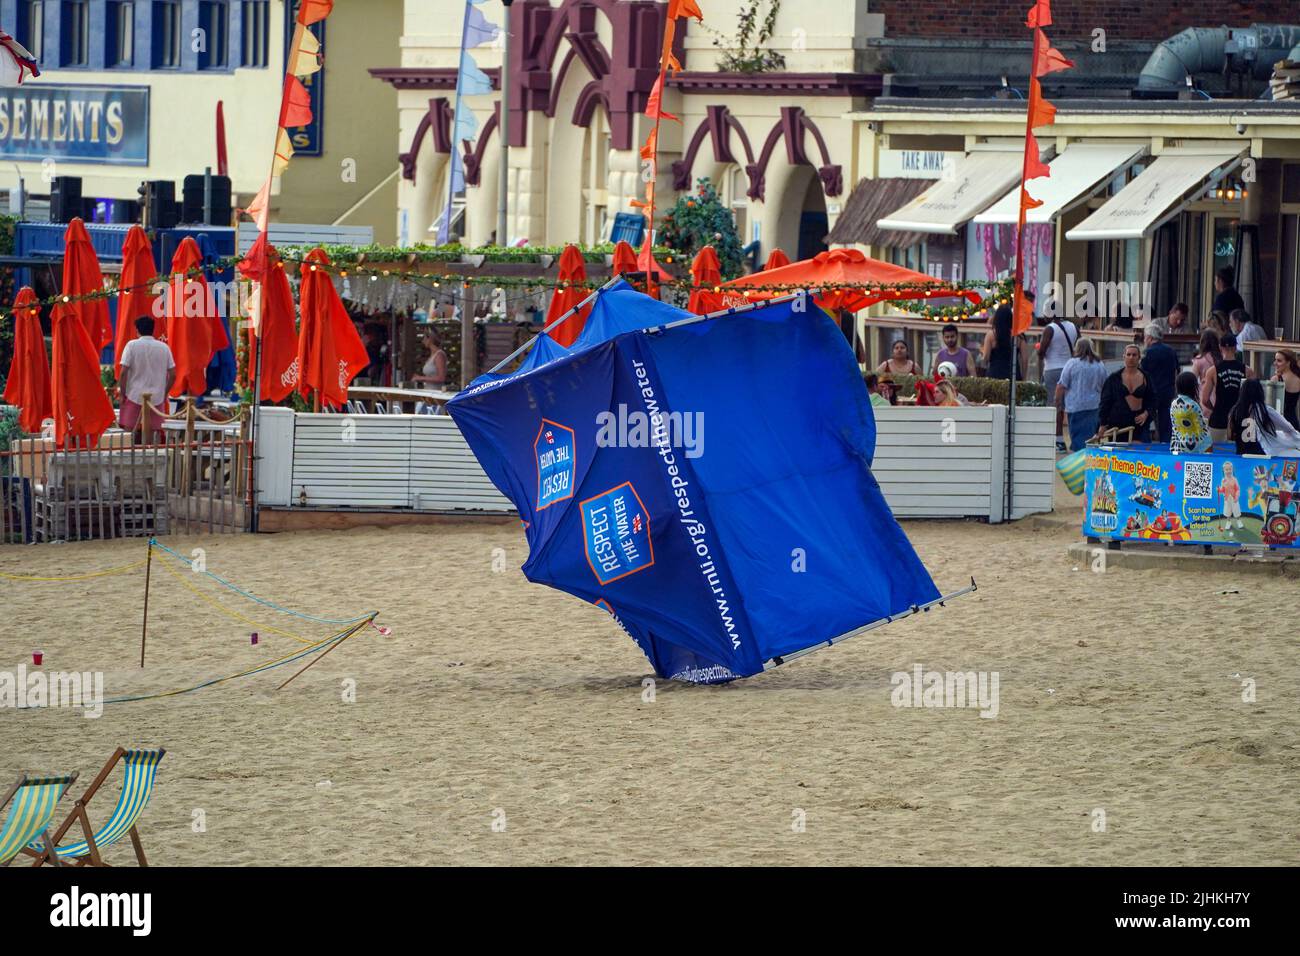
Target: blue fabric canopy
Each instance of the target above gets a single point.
(708, 485)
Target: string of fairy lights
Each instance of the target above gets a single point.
(448, 286)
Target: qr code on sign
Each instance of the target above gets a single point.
(1198, 479)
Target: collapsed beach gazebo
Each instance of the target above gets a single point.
(726, 526)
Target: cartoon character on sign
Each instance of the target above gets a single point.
(1279, 504)
(1230, 490)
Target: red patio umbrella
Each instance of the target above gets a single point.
(275, 332)
(28, 386)
(570, 290)
(82, 276)
(776, 259)
(81, 406)
(624, 258)
(849, 281)
(136, 299)
(194, 330)
(330, 352)
(706, 275)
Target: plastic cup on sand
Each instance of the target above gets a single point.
(37, 657)
(253, 638)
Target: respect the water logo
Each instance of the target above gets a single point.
(555, 463)
(616, 533)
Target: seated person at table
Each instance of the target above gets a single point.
(881, 389)
(1190, 433)
(1127, 399)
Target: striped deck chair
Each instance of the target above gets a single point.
(140, 770)
(34, 800)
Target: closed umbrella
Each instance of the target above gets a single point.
(81, 406)
(330, 352)
(194, 333)
(28, 385)
(570, 290)
(624, 258)
(82, 276)
(776, 259)
(706, 275)
(136, 298)
(274, 332)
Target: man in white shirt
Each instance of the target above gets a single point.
(1244, 329)
(147, 369)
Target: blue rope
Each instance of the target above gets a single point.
(153, 543)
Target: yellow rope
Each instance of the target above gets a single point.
(340, 637)
(225, 610)
(74, 577)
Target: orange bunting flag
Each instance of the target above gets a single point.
(1028, 201)
(684, 8)
(654, 106)
(313, 11)
(81, 408)
(1040, 14)
(28, 387)
(295, 106)
(1041, 111)
(330, 352)
(651, 147)
(1049, 58)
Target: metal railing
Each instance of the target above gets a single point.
(190, 477)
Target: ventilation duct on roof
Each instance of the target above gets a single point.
(1222, 50)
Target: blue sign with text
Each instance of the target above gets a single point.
(83, 124)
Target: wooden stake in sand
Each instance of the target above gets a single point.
(144, 625)
(346, 634)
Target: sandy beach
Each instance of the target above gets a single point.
(504, 723)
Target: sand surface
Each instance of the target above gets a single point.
(495, 701)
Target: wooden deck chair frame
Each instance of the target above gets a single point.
(26, 781)
(92, 858)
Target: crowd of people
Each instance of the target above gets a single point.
(1153, 396)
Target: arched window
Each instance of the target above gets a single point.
(595, 181)
(732, 189)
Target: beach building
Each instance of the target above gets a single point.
(130, 91)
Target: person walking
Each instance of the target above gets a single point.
(1078, 392)
(1055, 349)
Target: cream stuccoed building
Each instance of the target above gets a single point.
(775, 143)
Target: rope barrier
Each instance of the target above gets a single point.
(227, 611)
(154, 543)
(73, 577)
(270, 665)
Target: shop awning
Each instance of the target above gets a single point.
(871, 199)
(1155, 194)
(978, 179)
(1080, 170)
